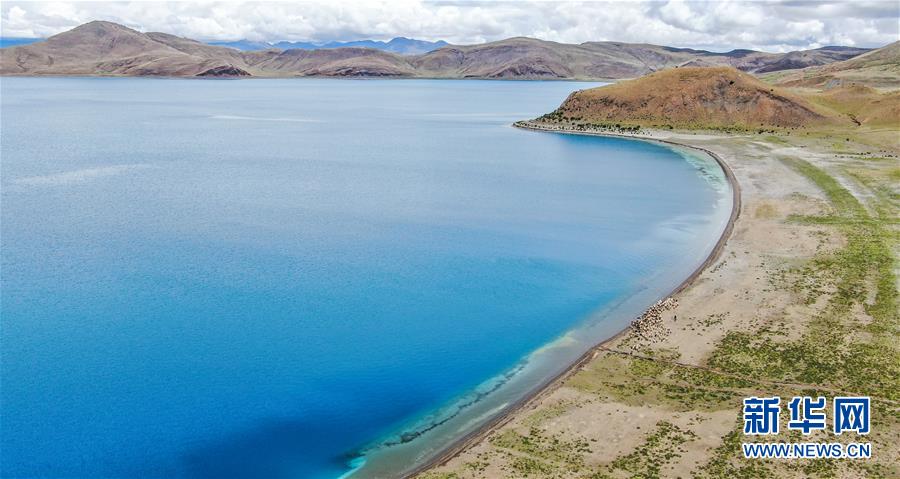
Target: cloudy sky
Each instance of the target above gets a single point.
(717, 25)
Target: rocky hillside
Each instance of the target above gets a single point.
(104, 48)
(689, 97)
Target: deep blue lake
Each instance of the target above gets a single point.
(268, 278)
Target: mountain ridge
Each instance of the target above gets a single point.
(106, 48)
(398, 45)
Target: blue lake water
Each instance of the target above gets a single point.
(284, 278)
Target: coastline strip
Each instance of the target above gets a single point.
(551, 384)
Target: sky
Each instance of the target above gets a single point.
(714, 25)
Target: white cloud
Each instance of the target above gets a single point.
(767, 25)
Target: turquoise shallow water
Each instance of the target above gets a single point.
(269, 278)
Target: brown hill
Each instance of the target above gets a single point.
(879, 68)
(330, 62)
(688, 97)
(104, 48)
(532, 58)
(761, 62)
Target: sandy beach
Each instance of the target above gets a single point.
(748, 322)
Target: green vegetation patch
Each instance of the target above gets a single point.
(660, 448)
(887, 199)
(529, 467)
(439, 475)
(550, 450)
(637, 381)
(548, 412)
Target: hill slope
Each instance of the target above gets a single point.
(879, 68)
(104, 48)
(338, 62)
(713, 98)
(530, 58)
(862, 105)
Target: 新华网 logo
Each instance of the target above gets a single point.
(806, 415)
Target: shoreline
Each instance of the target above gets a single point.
(543, 389)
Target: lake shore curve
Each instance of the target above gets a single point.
(457, 447)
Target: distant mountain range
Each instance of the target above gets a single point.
(105, 48)
(399, 45)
